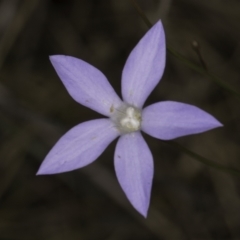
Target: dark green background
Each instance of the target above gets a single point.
(189, 200)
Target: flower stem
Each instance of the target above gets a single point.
(196, 48)
(204, 160)
(142, 14)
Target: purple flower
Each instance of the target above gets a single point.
(133, 160)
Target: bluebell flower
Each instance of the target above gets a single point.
(126, 118)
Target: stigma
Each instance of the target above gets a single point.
(127, 119)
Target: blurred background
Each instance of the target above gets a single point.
(189, 200)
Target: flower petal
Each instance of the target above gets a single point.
(144, 67)
(86, 84)
(169, 120)
(79, 147)
(134, 168)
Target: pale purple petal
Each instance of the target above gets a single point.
(86, 84)
(169, 120)
(134, 168)
(144, 67)
(79, 147)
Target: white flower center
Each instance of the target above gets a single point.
(131, 120)
(127, 119)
